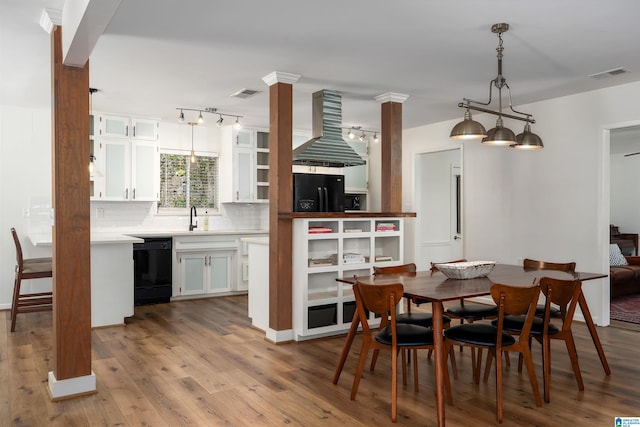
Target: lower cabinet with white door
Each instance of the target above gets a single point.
(204, 265)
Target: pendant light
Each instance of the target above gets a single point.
(468, 128)
(528, 140)
(500, 134)
(192, 157)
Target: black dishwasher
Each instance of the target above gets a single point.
(152, 271)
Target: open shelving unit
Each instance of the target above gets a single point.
(325, 249)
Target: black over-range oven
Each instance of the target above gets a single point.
(152, 270)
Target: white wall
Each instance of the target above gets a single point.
(551, 204)
(25, 179)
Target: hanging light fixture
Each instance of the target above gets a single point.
(364, 133)
(375, 137)
(200, 118)
(181, 117)
(192, 157)
(219, 122)
(499, 135)
(237, 124)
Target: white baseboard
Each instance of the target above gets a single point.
(71, 387)
(279, 336)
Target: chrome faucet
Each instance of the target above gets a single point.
(193, 214)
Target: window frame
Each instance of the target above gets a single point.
(173, 211)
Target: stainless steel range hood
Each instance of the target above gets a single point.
(326, 147)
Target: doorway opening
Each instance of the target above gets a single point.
(439, 207)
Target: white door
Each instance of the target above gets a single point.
(439, 214)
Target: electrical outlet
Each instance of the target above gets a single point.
(99, 212)
(25, 213)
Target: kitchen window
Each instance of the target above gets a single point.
(184, 184)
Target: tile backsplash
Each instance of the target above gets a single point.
(119, 216)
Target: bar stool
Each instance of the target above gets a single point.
(27, 269)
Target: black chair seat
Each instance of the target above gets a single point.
(478, 334)
(407, 335)
(514, 324)
(420, 319)
(473, 312)
(553, 311)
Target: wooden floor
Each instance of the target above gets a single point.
(200, 363)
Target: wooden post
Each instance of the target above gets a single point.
(391, 151)
(280, 200)
(71, 229)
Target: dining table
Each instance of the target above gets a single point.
(434, 286)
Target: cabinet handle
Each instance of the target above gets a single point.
(237, 195)
(126, 130)
(134, 131)
(134, 194)
(126, 194)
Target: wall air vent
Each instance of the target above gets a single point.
(245, 93)
(609, 73)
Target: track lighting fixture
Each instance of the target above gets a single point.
(211, 110)
(351, 133)
(499, 135)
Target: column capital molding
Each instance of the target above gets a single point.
(391, 97)
(50, 18)
(280, 77)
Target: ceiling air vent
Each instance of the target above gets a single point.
(245, 93)
(609, 73)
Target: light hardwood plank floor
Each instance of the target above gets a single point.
(200, 363)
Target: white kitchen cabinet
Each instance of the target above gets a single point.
(204, 264)
(144, 167)
(144, 129)
(127, 127)
(356, 178)
(245, 165)
(205, 272)
(128, 169)
(327, 249)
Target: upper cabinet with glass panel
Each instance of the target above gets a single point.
(127, 127)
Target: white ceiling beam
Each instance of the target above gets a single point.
(83, 22)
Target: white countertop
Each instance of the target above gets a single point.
(196, 232)
(99, 238)
(256, 240)
(106, 238)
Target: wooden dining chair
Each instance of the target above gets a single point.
(421, 319)
(532, 264)
(27, 269)
(470, 313)
(510, 300)
(565, 294)
(382, 300)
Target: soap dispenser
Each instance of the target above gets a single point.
(206, 221)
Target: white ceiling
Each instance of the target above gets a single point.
(157, 55)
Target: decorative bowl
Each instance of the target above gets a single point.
(466, 269)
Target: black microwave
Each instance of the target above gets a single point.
(352, 202)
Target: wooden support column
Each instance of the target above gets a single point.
(391, 151)
(72, 373)
(280, 200)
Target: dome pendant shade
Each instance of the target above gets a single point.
(500, 135)
(468, 129)
(528, 140)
